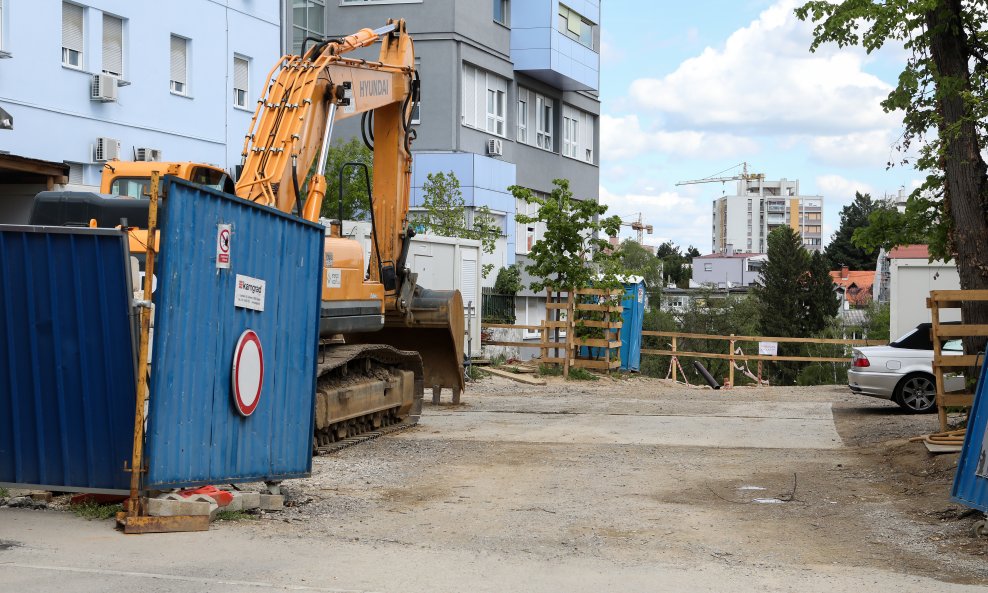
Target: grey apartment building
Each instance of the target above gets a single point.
(509, 94)
(742, 222)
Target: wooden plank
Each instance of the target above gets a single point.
(555, 305)
(509, 326)
(584, 363)
(685, 354)
(766, 339)
(959, 361)
(961, 331)
(600, 324)
(556, 323)
(598, 343)
(606, 308)
(526, 344)
(519, 378)
(599, 291)
(552, 360)
(958, 400)
(941, 296)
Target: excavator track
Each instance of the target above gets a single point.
(364, 391)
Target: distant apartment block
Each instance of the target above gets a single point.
(745, 220)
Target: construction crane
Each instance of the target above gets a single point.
(744, 176)
(638, 226)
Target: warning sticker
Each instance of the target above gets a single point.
(223, 245)
(334, 278)
(249, 293)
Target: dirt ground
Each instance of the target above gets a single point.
(569, 471)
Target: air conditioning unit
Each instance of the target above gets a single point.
(494, 147)
(104, 88)
(106, 149)
(147, 154)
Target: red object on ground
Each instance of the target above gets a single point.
(222, 497)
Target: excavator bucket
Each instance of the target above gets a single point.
(435, 331)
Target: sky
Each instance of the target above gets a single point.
(692, 89)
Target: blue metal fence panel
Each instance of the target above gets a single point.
(971, 480)
(66, 358)
(195, 433)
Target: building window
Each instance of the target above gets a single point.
(484, 100)
(575, 26)
(523, 115)
(72, 35)
(571, 136)
(112, 45)
(179, 65)
(308, 20)
(578, 134)
(501, 11)
(543, 122)
(708, 267)
(241, 81)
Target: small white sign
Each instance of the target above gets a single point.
(334, 277)
(981, 470)
(768, 348)
(223, 245)
(249, 293)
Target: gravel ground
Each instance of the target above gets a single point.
(872, 500)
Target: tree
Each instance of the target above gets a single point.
(635, 260)
(571, 252)
(795, 295)
(842, 251)
(674, 264)
(355, 203)
(445, 214)
(508, 280)
(692, 252)
(943, 88)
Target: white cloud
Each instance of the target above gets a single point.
(765, 80)
(839, 190)
(865, 149)
(674, 217)
(624, 138)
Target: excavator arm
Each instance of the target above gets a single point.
(290, 135)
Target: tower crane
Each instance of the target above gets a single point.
(638, 226)
(743, 176)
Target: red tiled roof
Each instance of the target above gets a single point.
(857, 286)
(910, 252)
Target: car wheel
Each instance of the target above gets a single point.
(917, 393)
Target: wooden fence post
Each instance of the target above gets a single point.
(570, 338)
(730, 363)
(674, 361)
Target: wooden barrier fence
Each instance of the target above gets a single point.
(952, 299)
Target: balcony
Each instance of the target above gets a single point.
(540, 50)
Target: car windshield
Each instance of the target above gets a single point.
(917, 338)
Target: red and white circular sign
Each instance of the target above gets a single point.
(248, 372)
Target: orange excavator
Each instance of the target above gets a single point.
(378, 327)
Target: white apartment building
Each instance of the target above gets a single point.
(744, 220)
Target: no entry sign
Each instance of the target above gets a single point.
(223, 245)
(248, 373)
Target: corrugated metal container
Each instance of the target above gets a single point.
(196, 435)
(66, 358)
(971, 480)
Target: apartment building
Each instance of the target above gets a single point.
(745, 220)
(509, 95)
(85, 82)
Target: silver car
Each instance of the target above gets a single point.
(903, 370)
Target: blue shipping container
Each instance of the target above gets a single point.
(971, 481)
(67, 370)
(196, 435)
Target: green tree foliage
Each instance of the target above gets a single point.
(796, 297)
(445, 214)
(508, 280)
(879, 323)
(842, 251)
(355, 203)
(635, 260)
(674, 263)
(572, 252)
(692, 252)
(943, 89)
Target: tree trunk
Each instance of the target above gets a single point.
(965, 185)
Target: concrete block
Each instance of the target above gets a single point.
(272, 502)
(251, 500)
(42, 496)
(162, 507)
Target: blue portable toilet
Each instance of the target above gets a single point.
(633, 317)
